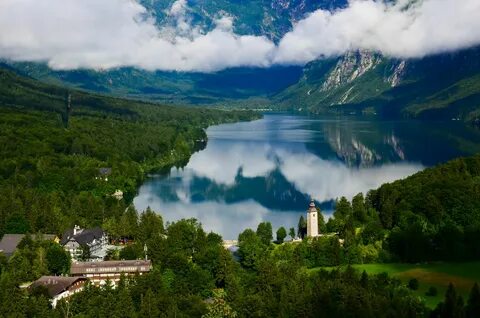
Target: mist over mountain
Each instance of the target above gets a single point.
(329, 55)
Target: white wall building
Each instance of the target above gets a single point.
(96, 240)
(312, 220)
(60, 287)
(99, 272)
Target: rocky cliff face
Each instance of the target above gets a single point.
(350, 67)
(397, 73)
(444, 86)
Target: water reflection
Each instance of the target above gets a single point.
(268, 169)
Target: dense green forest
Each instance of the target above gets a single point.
(51, 152)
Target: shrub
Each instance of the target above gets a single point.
(432, 291)
(413, 284)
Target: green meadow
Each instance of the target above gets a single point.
(438, 275)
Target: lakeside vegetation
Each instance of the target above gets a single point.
(50, 156)
(50, 153)
(195, 276)
(430, 276)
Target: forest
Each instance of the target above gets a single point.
(53, 152)
(63, 153)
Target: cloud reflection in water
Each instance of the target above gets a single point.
(246, 168)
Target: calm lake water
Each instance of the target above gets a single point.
(268, 169)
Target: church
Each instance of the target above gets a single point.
(312, 220)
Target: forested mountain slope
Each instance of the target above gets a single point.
(271, 18)
(50, 153)
(443, 86)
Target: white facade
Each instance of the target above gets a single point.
(312, 221)
(96, 240)
(66, 294)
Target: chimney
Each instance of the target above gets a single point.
(76, 230)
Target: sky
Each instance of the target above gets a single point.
(72, 34)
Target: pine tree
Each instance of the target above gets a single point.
(473, 305)
(291, 232)
(364, 280)
(302, 227)
(452, 306)
(148, 306)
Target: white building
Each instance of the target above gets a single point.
(312, 220)
(99, 272)
(96, 240)
(60, 287)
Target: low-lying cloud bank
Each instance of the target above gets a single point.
(70, 34)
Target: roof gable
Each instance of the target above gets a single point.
(56, 284)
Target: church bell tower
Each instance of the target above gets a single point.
(312, 220)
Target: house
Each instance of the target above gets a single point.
(9, 242)
(96, 239)
(59, 287)
(103, 173)
(99, 272)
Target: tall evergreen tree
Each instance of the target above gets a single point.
(452, 307)
(302, 227)
(473, 305)
(149, 307)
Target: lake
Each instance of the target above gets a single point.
(268, 169)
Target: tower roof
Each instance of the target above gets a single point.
(312, 207)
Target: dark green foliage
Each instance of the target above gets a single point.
(86, 254)
(49, 174)
(281, 234)
(58, 259)
(130, 252)
(452, 306)
(302, 227)
(251, 248)
(432, 215)
(322, 227)
(413, 284)
(473, 304)
(432, 291)
(264, 232)
(358, 209)
(291, 232)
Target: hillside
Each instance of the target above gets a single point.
(51, 152)
(438, 87)
(444, 86)
(272, 18)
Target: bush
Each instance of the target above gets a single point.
(413, 284)
(432, 291)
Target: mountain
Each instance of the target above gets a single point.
(443, 86)
(272, 18)
(170, 87)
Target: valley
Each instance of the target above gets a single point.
(236, 159)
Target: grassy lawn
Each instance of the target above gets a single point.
(439, 275)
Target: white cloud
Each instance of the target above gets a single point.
(71, 34)
(422, 28)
